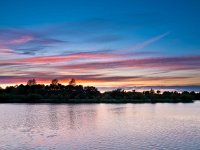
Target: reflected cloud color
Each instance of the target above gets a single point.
(123, 44)
(100, 126)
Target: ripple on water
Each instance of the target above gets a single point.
(100, 126)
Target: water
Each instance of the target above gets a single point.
(100, 126)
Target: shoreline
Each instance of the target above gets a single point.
(95, 101)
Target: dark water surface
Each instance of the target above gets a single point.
(100, 126)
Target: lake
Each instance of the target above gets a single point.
(100, 126)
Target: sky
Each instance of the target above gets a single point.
(109, 44)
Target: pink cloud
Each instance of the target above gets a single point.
(48, 76)
(20, 40)
(170, 63)
(59, 58)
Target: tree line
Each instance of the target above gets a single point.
(73, 93)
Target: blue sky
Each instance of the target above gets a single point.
(136, 35)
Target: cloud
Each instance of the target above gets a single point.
(55, 39)
(100, 61)
(59, 58)
(146, 43)
(85, 50)
(22, 41)
(21, 70)
(47, 76)
(169, 63)
(94, 57)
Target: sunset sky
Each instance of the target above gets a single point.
(130, 44)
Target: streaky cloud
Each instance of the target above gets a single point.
(145, 43)
(22, 41)
(47, 76)
(169, 63)
(59, 58)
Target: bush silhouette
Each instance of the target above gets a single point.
(72, 93)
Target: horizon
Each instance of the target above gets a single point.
(131, 44)
(162, 89)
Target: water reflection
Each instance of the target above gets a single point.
(100, 126)
(72, 117)
(81, 117)
(52, 113)
(29, 118)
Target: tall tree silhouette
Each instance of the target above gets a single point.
(72, 82)
(31, 82)
(54, 82)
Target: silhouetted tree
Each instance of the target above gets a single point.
(31, 82)
(72, 82)
(57, 93)
(152, 91)
(54, 82)
(118, 93)
(158, 92)
(91, 92)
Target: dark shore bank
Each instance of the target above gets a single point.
(72, 93)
